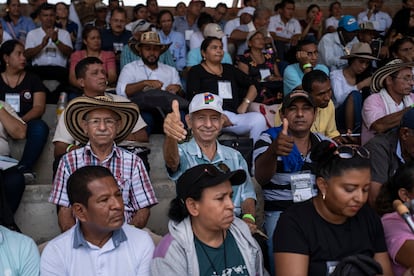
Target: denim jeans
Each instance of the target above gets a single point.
(356, 97)
(36, 138)
(270, 222)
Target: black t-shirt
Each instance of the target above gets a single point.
(302, 230)
(200, 81)
(28, 86)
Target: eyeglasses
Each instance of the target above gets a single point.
(97, 122)
(407, 79)
(314, 53)
(349, 151)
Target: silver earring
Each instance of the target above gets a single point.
(323, 196)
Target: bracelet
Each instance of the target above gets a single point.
(1, 106)
(306, 66)
(246, 100)
(56, 42)
(69, 147)
(249, 216)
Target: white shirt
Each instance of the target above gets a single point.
(340, 87)
(331, 21)
(50, 54)
(137, 71)
(231, 25)
(197, 38)
(281, 29)
(381, 20)
(6, 36)
(331, 50)
(128, 252)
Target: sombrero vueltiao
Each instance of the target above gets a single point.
(377, 82)
(77, 108)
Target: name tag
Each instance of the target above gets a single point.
(302, 184)
(13, 99)
(224, 89)
(51, 52)
(188, 34)
(264, 73)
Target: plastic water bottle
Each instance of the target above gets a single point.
(61, 104)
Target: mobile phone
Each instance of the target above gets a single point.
(318, 18)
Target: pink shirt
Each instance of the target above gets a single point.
(372, 110)
(107, 57)
(396, 233)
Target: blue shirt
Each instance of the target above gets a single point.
(292, 77)
(191, 155)
(18, 254)
(20, 30)
(194, 57)
(177, 48)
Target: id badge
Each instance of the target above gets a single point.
(13, 99)
(224, 89)
(188, 34)
(302, 184)
(51, 52)
(264, 73)
(330, 267)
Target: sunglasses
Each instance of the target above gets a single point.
(213, 171)
(350, 151)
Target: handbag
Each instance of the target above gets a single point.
(153, 99)
(244, 145)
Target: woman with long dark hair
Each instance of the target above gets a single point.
(205, 238)
(26, 94)
(313, 236)
(92, 48)
(229, 83)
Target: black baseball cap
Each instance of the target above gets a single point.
(294, 95)
(204, 176)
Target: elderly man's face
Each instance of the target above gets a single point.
(101, 126)
(401, 84)
(105, 210)
(205, 125)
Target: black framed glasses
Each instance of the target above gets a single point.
(349, 151)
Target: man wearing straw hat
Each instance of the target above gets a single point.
(91, 76)
(392, 85)
(146, 74)
(100, 123)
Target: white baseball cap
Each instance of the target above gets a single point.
(248, 10)
(206, 101)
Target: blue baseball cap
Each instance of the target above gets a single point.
(349, 23)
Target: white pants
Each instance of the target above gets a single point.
(251, 123)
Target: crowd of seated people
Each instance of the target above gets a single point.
(326, 99)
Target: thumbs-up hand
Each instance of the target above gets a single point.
(283, 144)
(173, 127)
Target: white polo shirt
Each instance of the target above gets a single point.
(50, 54)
